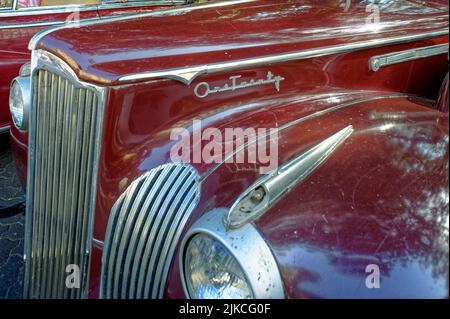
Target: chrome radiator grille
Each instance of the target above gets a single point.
(143, 232)
(64, 128)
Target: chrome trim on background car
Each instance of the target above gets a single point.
(76, 7)
(188, 74)
(379, 61)
(269, 189)
(43, 24)
(42, 60)
(47, 10)
(119, 5)
(249, 249)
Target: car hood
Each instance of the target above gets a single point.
(105, 51)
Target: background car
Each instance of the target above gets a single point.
(20, 20)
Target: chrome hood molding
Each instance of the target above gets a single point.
(189, 74)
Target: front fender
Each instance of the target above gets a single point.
(380, 200)
(381, 197)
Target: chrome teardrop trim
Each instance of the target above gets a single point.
(268, 190)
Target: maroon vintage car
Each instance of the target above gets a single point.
(21, 19)
(240, 149)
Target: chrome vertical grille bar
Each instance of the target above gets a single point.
(60, 196)
(90, 151)
(49, 187)
(41, 184)
(59, 89)
(64, 146)
(77, 130)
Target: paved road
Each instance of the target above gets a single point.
(11, 227)
(11, 256)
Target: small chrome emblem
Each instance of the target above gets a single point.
(203, 89)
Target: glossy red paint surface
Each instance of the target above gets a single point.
(105, 12)
(381, 129)
(381, 198)
(138, 159)
(20, 157)
(95, 271)
(232, 31)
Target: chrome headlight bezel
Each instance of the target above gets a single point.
(20, 89)
(248, 248)
(25, 70)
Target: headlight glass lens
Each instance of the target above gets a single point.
(16, 104)
(212, 272)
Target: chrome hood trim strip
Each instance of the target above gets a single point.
(31, 11)
(188, 74)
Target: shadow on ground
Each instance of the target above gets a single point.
(11, 226)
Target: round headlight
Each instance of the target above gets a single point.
(212, 271)
(216, 262)
(19, 102)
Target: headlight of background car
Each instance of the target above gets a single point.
(19, 101)
(216, 262)
(212, 272)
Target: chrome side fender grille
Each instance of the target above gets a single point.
(144, 229)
